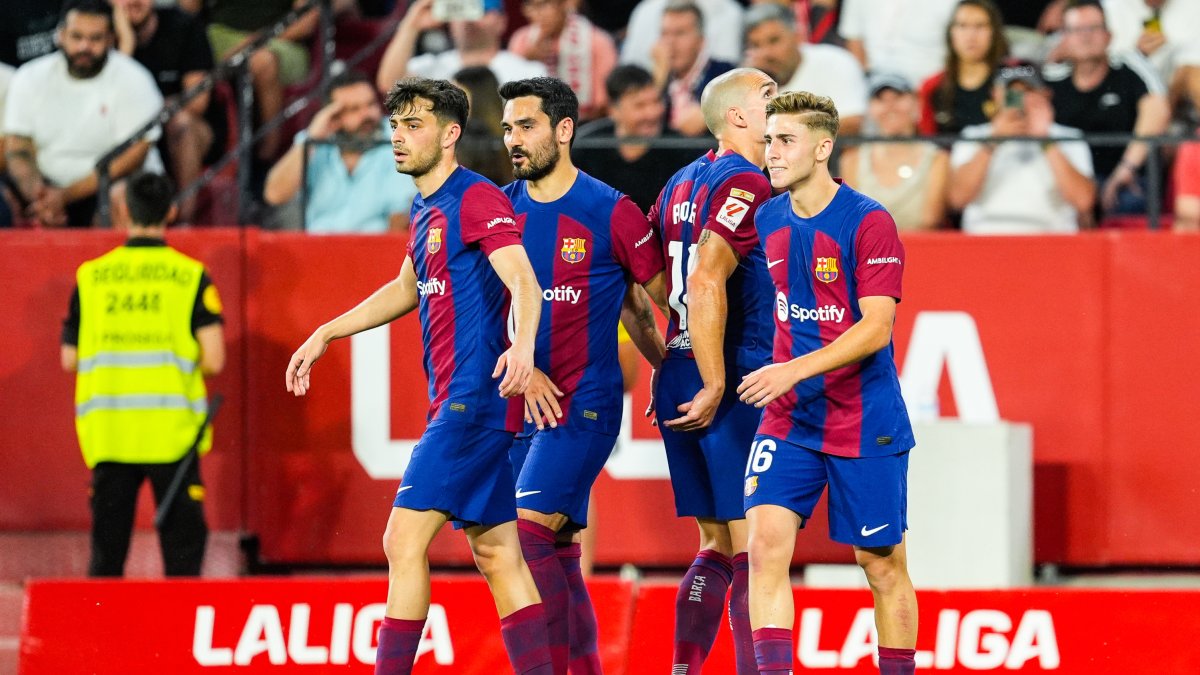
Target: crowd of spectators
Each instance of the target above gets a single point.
(980, 115)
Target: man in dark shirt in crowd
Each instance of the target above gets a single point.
(27, 29)
(1101, 94)
(636, 110)
(173, 46)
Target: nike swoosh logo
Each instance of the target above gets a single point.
(866, 533)
(772, 263)
(526, 493)
(406, 487)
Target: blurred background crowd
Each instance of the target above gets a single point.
(985, 116)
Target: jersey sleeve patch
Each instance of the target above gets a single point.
(734, 210)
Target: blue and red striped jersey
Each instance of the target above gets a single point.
(721, 195)
(820, 267)
(463, 304)
(585, 247)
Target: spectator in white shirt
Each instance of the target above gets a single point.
(777, 47)
(69, 108)
(1021, 186)
(906, 37)
(1167, 32)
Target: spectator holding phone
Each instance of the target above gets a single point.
(1040, 185)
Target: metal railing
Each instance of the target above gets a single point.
(1154, 169)
(234, 68)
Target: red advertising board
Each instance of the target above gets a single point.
(1081, 336)
(329, 625)
(272, 626)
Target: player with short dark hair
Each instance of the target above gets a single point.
(587, 243)
(833, 414)
(464, 259)
(719, 298)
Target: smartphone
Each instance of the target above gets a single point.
(1152, 24)
(1014, 99)
(458, 10)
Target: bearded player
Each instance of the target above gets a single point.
(587, 243)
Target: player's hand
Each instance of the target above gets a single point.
(300, 367)
(541, 401)
(517, 365)
(767, 384)
(653, 391)
(699, 412)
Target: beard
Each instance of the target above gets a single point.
(420, 164)
(359, 140)
(538, 164)
(84, 66)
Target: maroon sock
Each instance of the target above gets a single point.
(699, 606)
(537, 545)
(739, 616)
(524, 634)
(773, 651)
(896, 661)
(398, 641)
(584, 652)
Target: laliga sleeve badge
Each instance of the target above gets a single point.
(751, 485)
(732, 212)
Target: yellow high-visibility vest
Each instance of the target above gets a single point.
(139, 393)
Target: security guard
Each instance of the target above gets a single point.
(143, 329)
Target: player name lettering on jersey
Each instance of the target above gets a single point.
(568, 294)
(884, 261)
(684, 212)
(785, 310)
(434, 286)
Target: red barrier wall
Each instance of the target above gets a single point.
(1088, 338)
(329, 625)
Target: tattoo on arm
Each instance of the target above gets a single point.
(704, 236)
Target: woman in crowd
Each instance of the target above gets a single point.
(909, 178)
(482, 146)
(961, 95)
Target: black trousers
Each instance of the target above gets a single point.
(114, 501)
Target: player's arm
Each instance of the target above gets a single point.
(868, 335)
(512, 266)
(638, 318)
(392, 301)
(708, 307)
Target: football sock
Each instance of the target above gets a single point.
(895, 661)
(773, 651)
(584, 652)
(524, 634)
(699, 606)
(538, 547)
(739, 616)
(398, 641)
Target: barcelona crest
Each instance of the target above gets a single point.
(573, 250)
(433, 241)
(826, 269)
(751, 485)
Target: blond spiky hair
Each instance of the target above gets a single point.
(816, 112)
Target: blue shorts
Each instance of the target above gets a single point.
(707, 465)
(868, 496)
(461, 469)
(555, 470)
